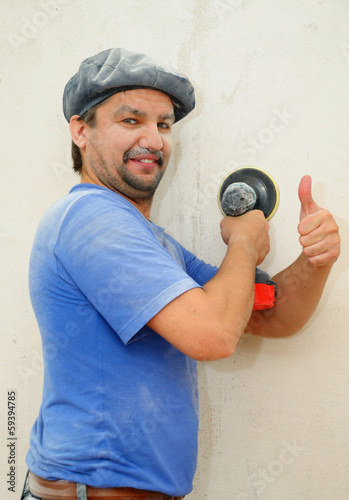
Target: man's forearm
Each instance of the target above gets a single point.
(231, 289)
(206, 324)
(299, 289)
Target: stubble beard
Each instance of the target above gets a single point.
(118, 178)
(133, 183)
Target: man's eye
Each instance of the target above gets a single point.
(163, 125)
(130, 120)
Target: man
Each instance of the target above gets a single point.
(124, 311)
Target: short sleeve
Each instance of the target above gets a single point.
(109, 252)
(197, 269)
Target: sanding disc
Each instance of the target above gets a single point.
(267, 193)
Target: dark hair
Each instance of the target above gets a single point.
(90, 117)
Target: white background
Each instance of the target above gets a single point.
(271, 80)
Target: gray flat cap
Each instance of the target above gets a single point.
(115, 70)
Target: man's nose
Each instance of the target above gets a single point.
(151, 138)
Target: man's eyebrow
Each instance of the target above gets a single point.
(128, 109)
(168, 116)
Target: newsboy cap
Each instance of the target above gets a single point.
(116, 70)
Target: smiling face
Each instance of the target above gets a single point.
(129, 148)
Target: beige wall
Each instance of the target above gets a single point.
(271, 79)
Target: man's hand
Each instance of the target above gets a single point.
(318, 230)
(251, 230)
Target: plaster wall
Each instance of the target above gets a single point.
(271, 81)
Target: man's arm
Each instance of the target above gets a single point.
(207, 323)
(300, 286)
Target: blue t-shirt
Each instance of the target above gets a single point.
(120, 403)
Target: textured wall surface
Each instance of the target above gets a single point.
(271, 81)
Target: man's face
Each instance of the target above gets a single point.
(129, 148)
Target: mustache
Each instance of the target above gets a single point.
(144, 151)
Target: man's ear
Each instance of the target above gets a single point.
(77, 131)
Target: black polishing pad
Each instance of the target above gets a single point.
(267, 193)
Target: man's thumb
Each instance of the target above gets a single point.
(308, 205)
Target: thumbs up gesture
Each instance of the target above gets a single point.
(318, 230)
